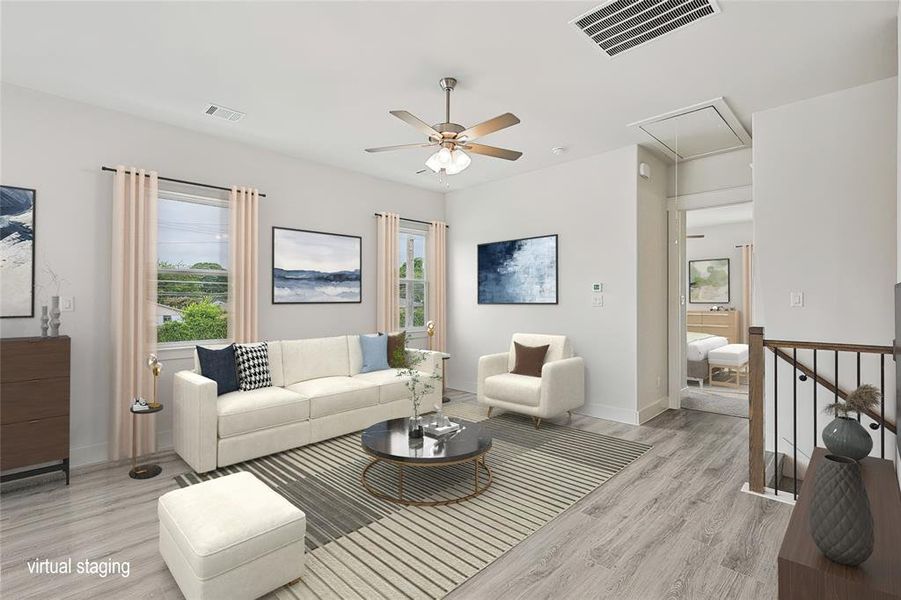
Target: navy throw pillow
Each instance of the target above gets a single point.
(219, 365)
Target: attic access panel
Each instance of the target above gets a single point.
(699, 130)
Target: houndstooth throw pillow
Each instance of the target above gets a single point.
(252, 361)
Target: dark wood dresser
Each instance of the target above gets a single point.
(34, 405)
(805, 574)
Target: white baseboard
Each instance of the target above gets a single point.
(93, 454)
(649, 412)
(610, 413)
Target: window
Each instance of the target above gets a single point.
(414, 285)
(192, 272)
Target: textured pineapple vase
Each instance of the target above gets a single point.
(841, 523)
(844, 436)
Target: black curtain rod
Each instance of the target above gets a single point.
(194, 183)
(411, 220)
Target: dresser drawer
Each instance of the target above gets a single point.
(30, 400)
(34, 358)
(33, 442)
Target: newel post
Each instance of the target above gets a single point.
(757, 371)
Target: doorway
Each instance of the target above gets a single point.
(711, 302)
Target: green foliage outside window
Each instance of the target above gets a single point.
(200, 299)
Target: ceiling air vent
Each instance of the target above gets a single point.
(621, 25)
(214, 110)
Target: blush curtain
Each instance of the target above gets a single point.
(747, 294)
(133, 298)
(437, 275)
(243, 253)
(388, 292)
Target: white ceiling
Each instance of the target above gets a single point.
(719, 215)
(317, 79)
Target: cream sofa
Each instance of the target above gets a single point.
(560, 389)
(317, 393)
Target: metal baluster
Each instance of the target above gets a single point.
(835, 414)
(776, 472)
(882, 406)
(815, 385)
(858, 381)
(795, 421)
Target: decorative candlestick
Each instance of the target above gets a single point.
(45, 321)
(430, 329)
(54, 316)
(156, 367)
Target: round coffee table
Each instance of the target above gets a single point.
(389, 442)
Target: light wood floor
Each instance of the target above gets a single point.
(672, 525)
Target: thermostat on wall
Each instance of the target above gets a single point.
(597, 287)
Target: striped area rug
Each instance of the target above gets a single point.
(359, 547)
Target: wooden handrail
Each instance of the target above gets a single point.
(862, 348)
(829, 386)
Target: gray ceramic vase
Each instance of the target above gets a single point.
(841, 523)
(844, 436)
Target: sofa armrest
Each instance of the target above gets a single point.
(491, 364)
(562, 386)
(195, 421)
(431, 361)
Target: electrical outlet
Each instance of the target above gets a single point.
(66, 303)
(796, 300)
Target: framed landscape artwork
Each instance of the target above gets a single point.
(16, 252)
(520, 271)
(708, 281)
(311, 267)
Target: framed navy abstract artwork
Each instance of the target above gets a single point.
(16, 252)
(520, 271)
(311, 267)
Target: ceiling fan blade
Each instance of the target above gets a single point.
(401, 147)
(492, 151)
(419, 124)
(698, 236)
(490, 126)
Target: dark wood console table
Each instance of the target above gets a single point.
(805, 574)
(34, 405)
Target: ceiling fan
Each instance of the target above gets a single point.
(451, 139)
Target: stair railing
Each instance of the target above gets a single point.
(786, 351)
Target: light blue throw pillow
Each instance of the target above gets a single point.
(375, 352)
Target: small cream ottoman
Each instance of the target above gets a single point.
(732, 358)
(230, 538)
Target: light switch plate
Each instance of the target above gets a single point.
(796, 299)
(597, 300)
(66, 303)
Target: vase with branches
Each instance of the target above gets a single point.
(419, 384)
(844, 435)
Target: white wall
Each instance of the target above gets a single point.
(825, 202)
(719, 241)
(591, 204)
(652, 289)
(715, 172)
(57, 147)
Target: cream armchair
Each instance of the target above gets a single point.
(560, 389)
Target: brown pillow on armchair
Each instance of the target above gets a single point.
(397, 350)
(529, 359)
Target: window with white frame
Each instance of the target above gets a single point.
(192, 271)
(414, 284)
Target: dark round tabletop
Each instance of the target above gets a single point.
(389, 440)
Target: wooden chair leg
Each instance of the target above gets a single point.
(489, 411)
(537, 421)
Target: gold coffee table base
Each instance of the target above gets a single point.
(478, 466)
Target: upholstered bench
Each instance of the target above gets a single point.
(230, 538)
(732, 358)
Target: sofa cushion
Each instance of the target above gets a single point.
(391, 387)
(253, 366)
(243, 412)
(333, 395)
(375, 352)
(225, 522)
(355, 354)
(219, 365)
(529, 359)
(314, 358)
(511, 387)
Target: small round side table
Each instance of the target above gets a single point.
(141, 471)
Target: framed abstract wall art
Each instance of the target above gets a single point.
(522, 271)
(16, 252)
(312, 267)
(708, 281)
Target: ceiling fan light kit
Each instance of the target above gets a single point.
(453, 138)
